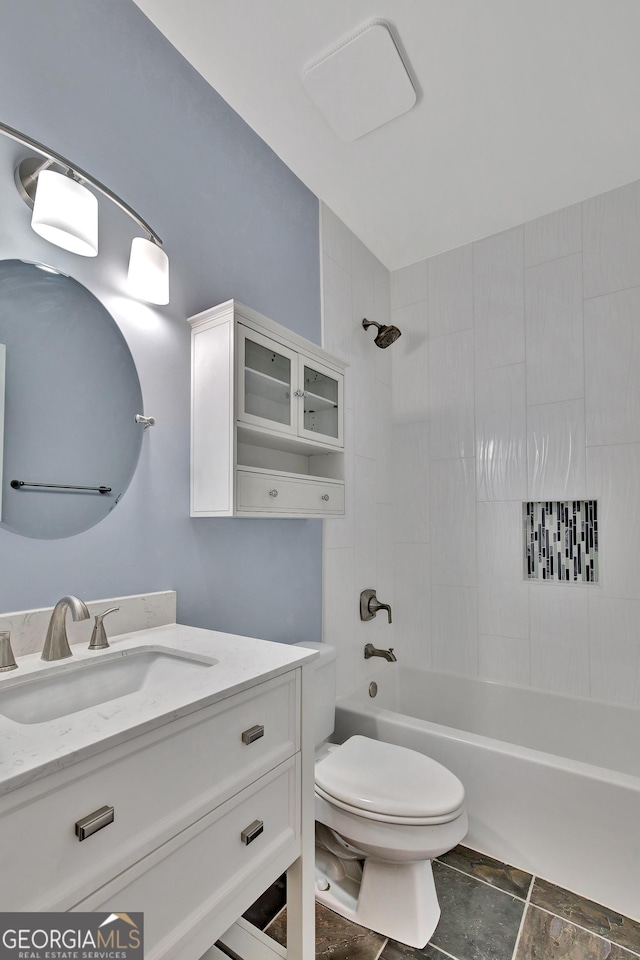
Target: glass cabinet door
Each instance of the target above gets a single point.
(322, 400)
(265, 371)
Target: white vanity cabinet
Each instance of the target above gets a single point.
(267, 419)
(207, 812)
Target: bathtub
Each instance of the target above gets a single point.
(552, 782)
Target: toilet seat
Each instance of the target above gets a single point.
(387, 818)
(385, 782)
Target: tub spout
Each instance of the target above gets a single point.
(371, 651)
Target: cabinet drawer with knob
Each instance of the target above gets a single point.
(74, 830)
(259, 492)
(217, 855)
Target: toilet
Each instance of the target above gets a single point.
(383, 812)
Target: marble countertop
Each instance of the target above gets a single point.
(29, 751)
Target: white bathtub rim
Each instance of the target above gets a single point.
(580, 768)
(358, 694)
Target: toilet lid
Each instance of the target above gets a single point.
(388, 780)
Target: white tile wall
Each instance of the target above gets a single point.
(339, 612)
(410, 354)
(498, 299)
(613, 474)
(450, 395)
(556, 451)
(450, 282)
(453, 522)
(503, 595)
(501, 418)
(553, 236)
(336, 238)
(516, 377)
(615, 649)
(454, 632)
(358, 549)
(412, 603)
(560, 638)
(554, 330)
(363, 297)
(612, 358)
(409, 285)
(505, 659)
(338, 328)
(611, 241)
(411, 483)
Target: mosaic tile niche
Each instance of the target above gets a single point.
(561, 541)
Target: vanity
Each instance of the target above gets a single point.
(170, 774)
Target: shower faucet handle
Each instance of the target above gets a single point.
(369, 605)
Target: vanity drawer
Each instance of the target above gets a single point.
(264, 492)
(158, 784)
(210, 869)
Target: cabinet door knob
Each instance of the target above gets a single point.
(93, 822)
(325, 496)
(250, 833)
(299, 393)
(253, 733)
(273, 493)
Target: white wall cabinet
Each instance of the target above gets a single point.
(267, 419)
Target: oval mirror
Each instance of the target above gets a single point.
(71, 396)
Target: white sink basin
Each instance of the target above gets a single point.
(63, 690)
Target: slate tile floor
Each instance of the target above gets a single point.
(490, 911)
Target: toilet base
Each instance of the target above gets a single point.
(397, 900)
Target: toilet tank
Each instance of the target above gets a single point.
(324, 690)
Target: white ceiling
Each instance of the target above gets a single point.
(524, 106)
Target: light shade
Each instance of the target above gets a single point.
(148, 271)
(66, 213)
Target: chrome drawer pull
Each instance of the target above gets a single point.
(273, 493)
(94, 822)
(253, 733)
(325, 496)
(250, 833)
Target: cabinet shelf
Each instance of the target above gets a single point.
(260, 381)
(321, 402)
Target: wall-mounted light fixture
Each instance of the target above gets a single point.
(65, 212)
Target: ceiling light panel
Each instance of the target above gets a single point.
(361, 83)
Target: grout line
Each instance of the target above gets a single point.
(377, 956)
(564, 256)
(443, 952)
(600, 936)
(611, 293)
(486, 882)
(522, 918)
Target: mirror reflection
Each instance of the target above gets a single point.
(71, 395)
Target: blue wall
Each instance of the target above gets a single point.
(97, 82)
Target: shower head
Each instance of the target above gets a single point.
(385, 336)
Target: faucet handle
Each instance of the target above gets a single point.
(7, 659)
(369, 605)
(99, 635)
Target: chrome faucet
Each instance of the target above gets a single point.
(369, 605)
(371, 651)
(56, 644)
